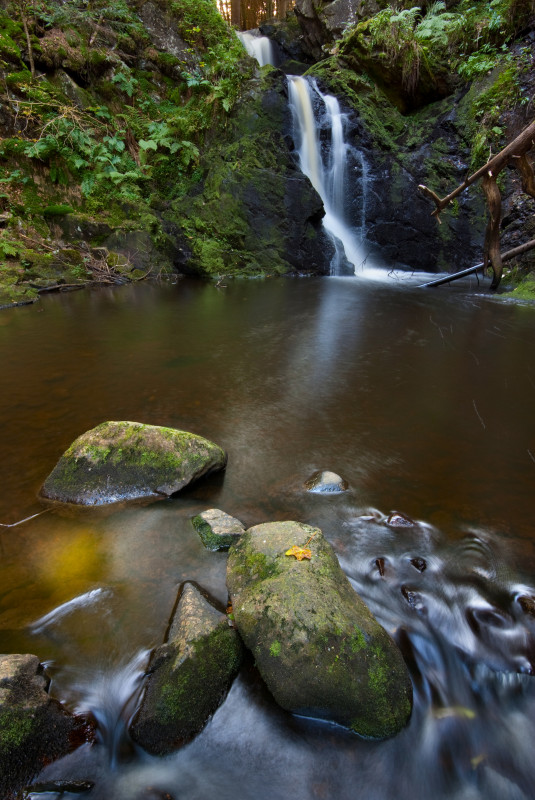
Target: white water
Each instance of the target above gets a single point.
(328, 173)
(259, 47)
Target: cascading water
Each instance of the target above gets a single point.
(327, 172)
(259, 47)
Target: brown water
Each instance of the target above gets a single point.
(423, 400)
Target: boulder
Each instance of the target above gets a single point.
(34, 729)
(189, 675)
(127, 461)
(316, 644)
(217, 529)
(326, 482)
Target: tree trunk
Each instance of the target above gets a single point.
(235, 13)
(28, 39)
(491, 250)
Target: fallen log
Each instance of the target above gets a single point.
(515, 251)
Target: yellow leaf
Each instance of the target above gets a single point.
(299, 552)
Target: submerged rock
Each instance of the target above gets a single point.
(397, 520)
(34, 728)
(189, 675)
(318, 647)
(217, 529)
(127, 461)
(326, 482)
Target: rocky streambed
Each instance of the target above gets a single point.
(318, 648)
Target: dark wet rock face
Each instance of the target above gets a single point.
(189, 675)
(34, 728)
(316, 644)
(119, 461)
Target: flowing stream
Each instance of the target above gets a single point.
(421, 399)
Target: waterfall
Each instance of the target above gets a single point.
(327, 171)
(259, 47)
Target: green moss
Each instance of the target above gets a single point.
(15, 728)
(57, 210)
(525, 291)
(275, 649)
(212, 541)
(193, 690)
(357, 642)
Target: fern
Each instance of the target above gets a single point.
(437, 26)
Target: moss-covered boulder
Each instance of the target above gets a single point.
(217, 529)
(119, 461)
(318, 647)
(189, 675)
(34, 729)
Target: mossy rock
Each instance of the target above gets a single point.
(318, 647)
(119, 461)
(13, 295)
(217, 530)
(189, 675)
(34, 728)
(525, 290)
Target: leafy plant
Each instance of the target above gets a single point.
(409, 39)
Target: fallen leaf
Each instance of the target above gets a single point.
(299, 552)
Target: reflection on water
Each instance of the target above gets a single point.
(422, 400)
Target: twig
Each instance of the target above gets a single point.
(26, 519)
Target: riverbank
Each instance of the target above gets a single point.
(141, 140)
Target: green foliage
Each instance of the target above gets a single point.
(409, 40)
(480, 62)
(125, 82)
(8, 247)
(488, 105)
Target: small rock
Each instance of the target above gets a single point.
(326, 482)
(217, 529)
(380, 564)
(396, 520)
(419, 563)
(527, 604)
(414, 599)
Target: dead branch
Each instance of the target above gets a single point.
(515, 149)
(515, 153)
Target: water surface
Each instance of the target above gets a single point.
(421, 399)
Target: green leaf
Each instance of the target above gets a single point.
(8, 249)
(149, 144)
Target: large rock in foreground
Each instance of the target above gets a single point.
(319, 649)
(34, 729)
(189, 675)
(127, 461)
